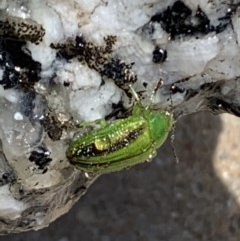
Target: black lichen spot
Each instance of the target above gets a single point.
(71, 49)
(180, 19)
(52, 126)
(120, 72)
(19, 69)
(98, 58)
(176, 20)
(40, 157)
(94, 56)
(21, 29)
(159, 55)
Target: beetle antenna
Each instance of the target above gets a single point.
(134, 93)
(157, 87)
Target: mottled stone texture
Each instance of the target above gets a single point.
(196, 199)
(67, 62)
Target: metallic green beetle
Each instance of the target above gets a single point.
(121, 143)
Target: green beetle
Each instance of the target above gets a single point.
(121, 143)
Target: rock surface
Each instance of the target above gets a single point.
(67, 62)
(196, 199)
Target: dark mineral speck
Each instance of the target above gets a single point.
(66, 84)
(40, 157)
(159, 55)
(179, 19)
(145, 84)
(19, 69)
(175, 89)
